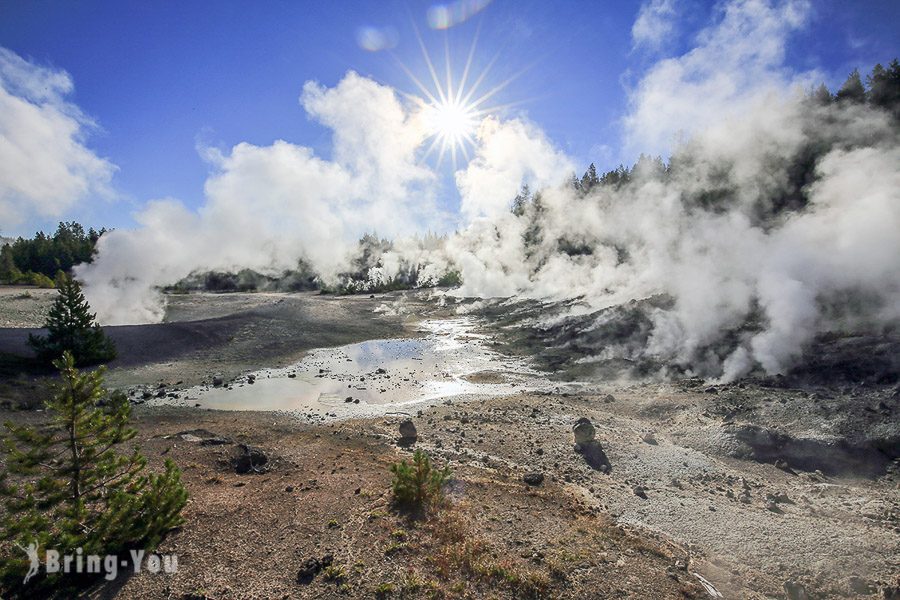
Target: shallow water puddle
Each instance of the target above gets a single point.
(376, 376)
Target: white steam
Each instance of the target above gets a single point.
(752, 272)
(751, 284)
(269, 206)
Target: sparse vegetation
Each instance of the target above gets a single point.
(419, 485)
(66, 485)
(334, 573)
(384, 590)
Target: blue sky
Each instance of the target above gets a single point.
(159, 78)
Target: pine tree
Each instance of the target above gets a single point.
(575, 183)
(72, 327)
(852, 90)
(821, 95)
(71, 489)
(520, 202)
(884, 87)
(589, 179)
(9, 273)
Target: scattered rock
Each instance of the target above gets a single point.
(311, 567)
(533, 478)
(249, 460)
(783, 465)
(584, 431)
(858, 585)
(408, 430)
(795, 590)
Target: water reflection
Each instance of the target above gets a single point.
(376, 376)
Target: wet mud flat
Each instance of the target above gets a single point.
(443, 359)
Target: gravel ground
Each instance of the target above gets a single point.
(24, 306)
(749, 486)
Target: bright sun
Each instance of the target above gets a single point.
(453, 109)
(452, 122)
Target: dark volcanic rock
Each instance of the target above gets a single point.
(408, 430)
(249, 460)
(311, 567)
(534, 478)
(584, 431)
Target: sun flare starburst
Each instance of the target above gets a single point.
(451, 110)
(451, 122)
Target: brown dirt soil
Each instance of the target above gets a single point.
(328, 493)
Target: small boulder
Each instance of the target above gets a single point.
(408, 430)
(640, 492)
(217, 381)
(248, 459)
(533, 478)
(310, 567)
(584, 431)
(795, 590)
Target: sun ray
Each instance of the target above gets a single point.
(478, 81)
(418, 83)
(447, 68)
(469, 59)
(448, 112)
(431, 69)
(499, 87)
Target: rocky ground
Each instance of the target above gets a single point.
(758, 489)
(323, 496)
(24, 306)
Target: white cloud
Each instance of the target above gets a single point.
(655, 24)
(45, 167)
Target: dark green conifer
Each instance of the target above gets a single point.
(66, 486)
(71, 327)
